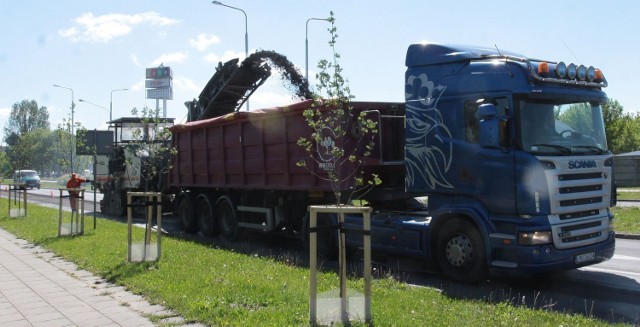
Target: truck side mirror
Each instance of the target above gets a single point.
(488, 126)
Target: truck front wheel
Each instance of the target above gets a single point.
(460, 251)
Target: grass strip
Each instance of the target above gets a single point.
(222, 287)
(627, 220)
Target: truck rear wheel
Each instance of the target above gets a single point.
(204, 215)
(186, 214)
(227, 218)
(460, 251)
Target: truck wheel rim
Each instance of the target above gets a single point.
(459, 251)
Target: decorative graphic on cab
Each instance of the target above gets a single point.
(426, 166)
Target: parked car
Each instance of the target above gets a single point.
(26, 178)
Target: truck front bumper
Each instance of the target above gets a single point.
(523, 261)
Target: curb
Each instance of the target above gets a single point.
(628, 236)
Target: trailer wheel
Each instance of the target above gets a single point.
(227, 218)
(460, 251)
(186, 215)
(204, 215)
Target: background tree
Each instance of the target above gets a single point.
(34, 150)
(5, 166)
(622, 129)
(26, 117)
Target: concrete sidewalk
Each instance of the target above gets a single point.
(40, 289)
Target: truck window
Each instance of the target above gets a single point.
(560, 127)
(471, 118)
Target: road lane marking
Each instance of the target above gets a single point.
(625, 257)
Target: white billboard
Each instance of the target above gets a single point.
(154, 83)
(160, 93)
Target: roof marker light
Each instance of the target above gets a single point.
(591, 74)
(543, 69)
(571, 71)
(582, 73)
(561, 69)
(599, 76)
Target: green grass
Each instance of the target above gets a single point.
(627, 220)
(623, 195)
(221, 287)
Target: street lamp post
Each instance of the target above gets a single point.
(93, 104)
(73, 105)
(246, 32)
(111, 103)
(306, 46)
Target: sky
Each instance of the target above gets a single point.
(94, 48)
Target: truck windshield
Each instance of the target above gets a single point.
(559, 128)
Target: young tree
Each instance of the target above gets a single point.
(151, 143)
(341, 138)
(65, 144)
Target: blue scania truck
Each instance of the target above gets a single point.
(512, 155)
(507, 153)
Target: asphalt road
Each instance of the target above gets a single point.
(609, 290)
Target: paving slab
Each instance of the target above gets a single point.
(39, 289)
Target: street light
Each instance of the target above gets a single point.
(73, 105)
(306, 45)
(246, 32)
(111, 103)
(91, 103)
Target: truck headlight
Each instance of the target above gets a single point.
(534, 238)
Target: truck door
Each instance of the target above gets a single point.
(486, 169)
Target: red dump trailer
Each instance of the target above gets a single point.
(240, 170)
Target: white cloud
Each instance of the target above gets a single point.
(4, 113)
(228, 55)
(138, 86)
(135, 60)
(168, 58)
(183, 83)
(203, 41)
(104, 28)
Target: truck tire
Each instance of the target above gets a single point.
(204, 215)
(227, 218)
(460, 251)
(186, 214)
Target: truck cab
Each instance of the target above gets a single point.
(514, 149)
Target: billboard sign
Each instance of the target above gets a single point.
(154, 83)
(159, 83)
(160, 93)
(94, 142)
(159, 72)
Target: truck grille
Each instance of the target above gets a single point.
(580, 214)
(581, 233)
(578, 205)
